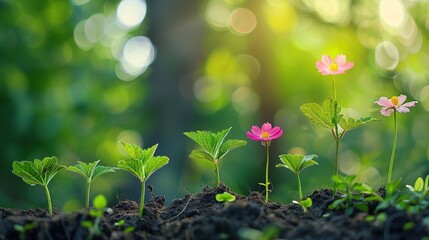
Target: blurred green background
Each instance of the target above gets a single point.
(77, 77)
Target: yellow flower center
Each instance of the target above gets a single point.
(333, 66)
(395, 100)
(265, 135)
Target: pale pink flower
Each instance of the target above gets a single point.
(264, 134)
(394, 103)
(328, 67)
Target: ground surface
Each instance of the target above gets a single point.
(200, 216)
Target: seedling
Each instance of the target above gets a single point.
(419, 192)
(90, 172)
(128, 229)
(100, 206)
(354, 195)
(38, 172)
(265, 135)
(305, 204)
(23, 229)
(296, 163)
(225, 197)
(141, 163)
(214, 147)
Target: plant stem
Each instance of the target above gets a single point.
(266, 174)
(395, 140)
(142, 199)
(299, 187)
(217, 173)
(48, 195)
(88, 189)
(333, 88)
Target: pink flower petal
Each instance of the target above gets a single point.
(401, 99)
(276, 135)
(386, 111)
(326, 59)
(324, 69)
(266, 127)
(409, 104)
(402, 109)
(256, 130)
(346, 66)
(384, 102)
(340, 59)
(253, 136)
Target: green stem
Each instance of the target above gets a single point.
(299, 187)
(392, 156)
(88, 189)
(333, 87)
(217, 173)
(48, 195)
(142, 199)
(266, 174)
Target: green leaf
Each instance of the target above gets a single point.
(142, 162)
(210, 142)
(225, 197)
(230, 145)
(38, 172)
(297, 162)
(326, 116)
(306, 203)
(90, 171)
(201, 155)
(418, 185)
(350, 123)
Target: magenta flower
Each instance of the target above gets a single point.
(264, 134)
(394, 103)
(328, 67)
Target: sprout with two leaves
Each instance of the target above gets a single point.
(90, 172)
(214, 147)
(38, 172)
(296, 163)
(141, 163)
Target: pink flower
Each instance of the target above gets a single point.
(329, 67)
(266, 134)
(394, 103)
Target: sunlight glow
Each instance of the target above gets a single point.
(392, 12)
(131, 13)
(137, 55)
(387, 55)
(243, 21)
(218, 14)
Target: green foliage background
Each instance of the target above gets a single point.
(58, 98)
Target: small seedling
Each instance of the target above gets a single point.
(90, 172)
(225, 197)
(100, 206)
(213, 146)
(23, 229)
(128, 229)
(38, 172)
(296, 163)
(141, 163)
(417, 199)
(305, 204)
(354, 195)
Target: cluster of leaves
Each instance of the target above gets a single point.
(354, 195)
(214, 147)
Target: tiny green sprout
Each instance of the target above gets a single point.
(305, 204)
(141, 163)
(225, 197)
(100, 206)
(90, 172)
(128, 229)
(296, 163)
(213, 146)
(23, 229)
(38, 172)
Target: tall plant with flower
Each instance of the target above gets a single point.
(265, 135)
(389, 106)
(328, 115)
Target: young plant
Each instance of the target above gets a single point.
(339, 65)
(389, 106)
(141, 163)
(354, 195)
(296, 163)
(265, 134)
(100, 206)
(305, 204)
(419, 192)
(214, 147)
(90, 172)
(23, 229)
(329, 116)
(225, 197)
(38, 172)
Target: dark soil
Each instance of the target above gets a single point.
(200, 216)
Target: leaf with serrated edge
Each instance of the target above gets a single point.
(326, 116)
(201, 155)
(297, 162)
(38, 172)
(153, 164)
(230, 145)
(350, 123)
